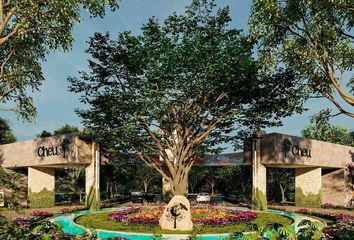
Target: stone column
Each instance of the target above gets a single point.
(308, 182)
(41, 187)
(92, 175)
(259, 176)
(335, 186)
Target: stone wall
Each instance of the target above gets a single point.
(335, 187)
(308, 187)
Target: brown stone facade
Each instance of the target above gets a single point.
(320, 167)
(43, 155)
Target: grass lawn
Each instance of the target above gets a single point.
(101, 221)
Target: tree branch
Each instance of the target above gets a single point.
(6, 21)
(5, 61)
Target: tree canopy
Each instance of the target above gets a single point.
(321, 129)
(29, 30)
(6, 134)
(314, 39)
(178, 89)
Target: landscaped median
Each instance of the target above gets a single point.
(206, 220)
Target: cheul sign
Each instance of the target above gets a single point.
(295, 149)
(43, 151)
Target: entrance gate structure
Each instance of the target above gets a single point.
(41, 157)
(321, 173)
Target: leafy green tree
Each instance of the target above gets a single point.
(66, 129)
(6, 134)
(280, 180)
(235, 180)
(321, 129)
(44, 134)
(312, 38)
(29, 30)
(146, 175)
(177, 90)
(196, 176)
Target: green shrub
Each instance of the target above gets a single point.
(42, 199)
(307, 200)
(259, 200)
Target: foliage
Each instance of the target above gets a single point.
(236, 181)
(259, 200)
(280, 184)
(339, 225)
(30, 228)
(310, 230)
(146, 175)
(321, 129)
(196, 176)
(29, 30)
(307, 200)
(342, 229)
(312, 38)
(66, 129)
(12, 181)
(179, 89)
(42, 199)
(93, 202)
(44, 134)
(6, 134)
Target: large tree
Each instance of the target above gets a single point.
(315, 39)
(176, 90)
(28, 31)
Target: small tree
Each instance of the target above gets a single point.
(196, 176)
(146, 175)
(172, 93)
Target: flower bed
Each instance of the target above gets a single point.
(333, 206)
(210, 216)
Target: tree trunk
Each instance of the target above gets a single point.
(145, 186)
(283, 199)
(212, 189)
(192, 186)
(179, 185)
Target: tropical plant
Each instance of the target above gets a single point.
(310, 230)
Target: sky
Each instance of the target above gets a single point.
(56, 105)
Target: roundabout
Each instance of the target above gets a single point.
(210, 222)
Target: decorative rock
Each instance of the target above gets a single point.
(177, 215)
